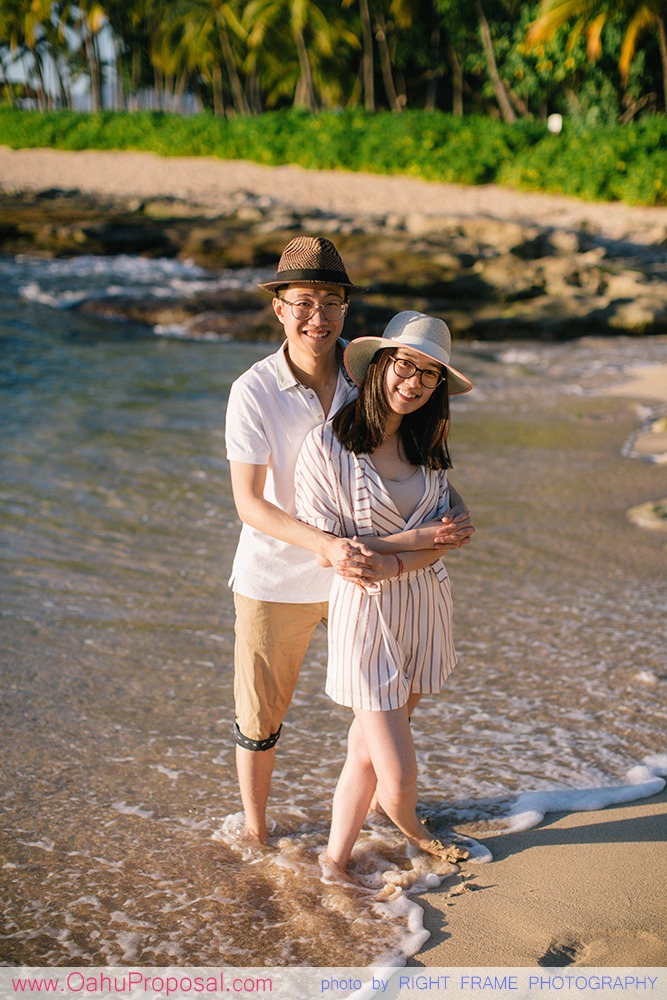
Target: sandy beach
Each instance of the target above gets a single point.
(209, 182)
(586, 887)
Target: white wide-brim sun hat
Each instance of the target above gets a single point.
(426, 334)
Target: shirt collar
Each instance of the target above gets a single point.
(285, 376)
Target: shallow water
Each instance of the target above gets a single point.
(118, 532)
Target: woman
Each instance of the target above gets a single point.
(378, 467)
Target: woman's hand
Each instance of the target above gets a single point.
(453, 532)
(448, 532)
(363, 567)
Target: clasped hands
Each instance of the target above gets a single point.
(356, 562)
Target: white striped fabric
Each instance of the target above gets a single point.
(382, 646)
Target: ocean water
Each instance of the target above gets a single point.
(119, 798)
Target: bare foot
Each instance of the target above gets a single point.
(333, 873)
(427, 821)
(253, 841)
(446, 852)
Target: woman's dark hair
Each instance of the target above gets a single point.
(360, 426)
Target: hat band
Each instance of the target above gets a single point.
(313, 274)
(428, 347)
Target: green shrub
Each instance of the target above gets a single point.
(610, 163)
(625, 162)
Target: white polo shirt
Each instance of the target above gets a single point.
(269, 415)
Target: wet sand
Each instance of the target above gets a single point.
(650, 385)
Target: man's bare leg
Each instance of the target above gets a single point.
(254, 770)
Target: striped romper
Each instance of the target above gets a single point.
(386, 645)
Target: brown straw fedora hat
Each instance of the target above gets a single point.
(426, 334)
(312, 260)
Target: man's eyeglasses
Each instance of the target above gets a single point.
(428, 377)
(303, 309)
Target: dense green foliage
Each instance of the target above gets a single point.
(595, 61)
(626, 163)
(611, 164)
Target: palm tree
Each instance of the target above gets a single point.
(87, 18)
(465, 27)
(399, 19)
(171, 65)
(381, 23)
(590, 16)
(134, 23)
(23, 31)
(457, 25)
(504, 103)
(367, 67)
(202, 35)
(308, 27)
(12, 35)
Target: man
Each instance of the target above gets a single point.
(280, 586)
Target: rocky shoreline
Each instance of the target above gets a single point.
(492, 278)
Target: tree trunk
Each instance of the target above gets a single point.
(159, 89)
(6, 83)
(253, 93)
(100, 77)
(93, 70)
(218, 102)
(635, 108)
(238, 97)
(26, 71)
(169, 87)
(63, 96)
(506, 109)
(304, 94)
(119, 99)
(662, 42)
(135, 76)
(434, 73)
(367, 58)
(385, 63)
(519, 105)
(179, 92)
(42, 94)
(457, 81)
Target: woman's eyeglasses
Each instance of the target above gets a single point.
(428, 377)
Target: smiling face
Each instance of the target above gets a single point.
(313, 336)
(405, 395)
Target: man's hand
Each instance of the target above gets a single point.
(362, 566)
(339, 550)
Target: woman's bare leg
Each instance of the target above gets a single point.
(351, 802)
(381, 762)
(356, 789)
(391, 749)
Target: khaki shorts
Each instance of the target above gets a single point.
(271, 642)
